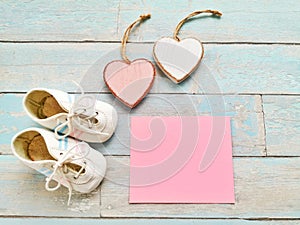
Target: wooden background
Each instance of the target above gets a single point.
(251, 66)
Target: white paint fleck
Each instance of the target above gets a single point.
(4, 130)
(18, 114)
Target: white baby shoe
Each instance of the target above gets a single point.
(70, 163)
(84, 118)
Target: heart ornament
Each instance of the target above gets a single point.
(129, 81)
(179, 58)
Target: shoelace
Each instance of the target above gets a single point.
(80, 112)
(60, 168)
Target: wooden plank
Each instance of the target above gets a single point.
(23, 193)
(247, 119)
(227, 69)
(106, 21)
(242, 21)
(58, 21)
(282, 125)
(264, 188)
(246, 113)
(50, 221)
(29, 199)
(13, 118)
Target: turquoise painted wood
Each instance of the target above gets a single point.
(242, 21)
(264, 188)
(247, 119)
(48, 221)
(106, 21)
(58, 21)
(13, 119)
(250, 72)
(23, 193)
(282, 125)
(246, 112)
(229, 69)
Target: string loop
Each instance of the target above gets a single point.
(179, 25)
(126, 34)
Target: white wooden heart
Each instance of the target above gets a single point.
(178, 59)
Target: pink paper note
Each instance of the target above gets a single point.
(181, 160)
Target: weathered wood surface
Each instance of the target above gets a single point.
(225, 69)
(282, 125)
(58, 21)
(252, 59)
(50, 221)
(13, 120)
(22, 192)
(260, 193)
(247, 119)
(243, 21)
(246, 112)
(264, 188)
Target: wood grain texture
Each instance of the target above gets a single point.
(13, 119)
(251, 175)
(242, 21)
(233, 69)
(106, 21)
(247, 121)
(58, 21)
(22, 193)
(76, 221)
(282, 125)
(246, 112)
(252, 77)
(264, 188)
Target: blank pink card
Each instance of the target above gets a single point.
(181, 160)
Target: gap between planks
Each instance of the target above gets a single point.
(168, 93)
(154, 218)
(151, 42)
(235, 157)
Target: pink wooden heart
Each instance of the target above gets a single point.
(129, 83)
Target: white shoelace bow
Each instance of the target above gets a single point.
(81, 112)
(60, 168)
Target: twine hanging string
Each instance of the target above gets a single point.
(214, 12)
(127, 32)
